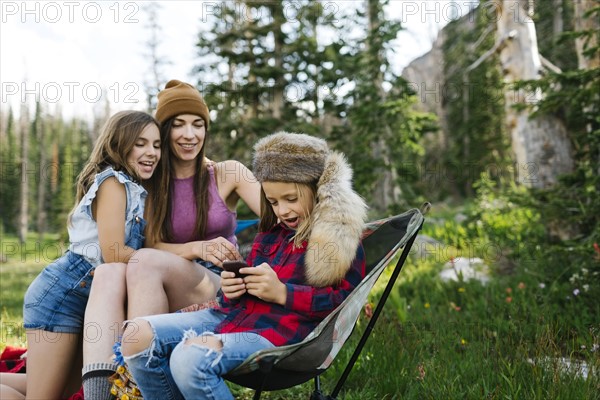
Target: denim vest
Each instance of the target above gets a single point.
(83, 229)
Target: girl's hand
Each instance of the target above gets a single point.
(232, 287)
(216, 251)
(263, 282)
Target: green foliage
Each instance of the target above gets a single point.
(9, 180)
(504, 217)
(477, 138)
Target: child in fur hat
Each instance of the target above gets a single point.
(304, 262)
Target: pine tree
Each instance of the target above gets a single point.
(9, 180)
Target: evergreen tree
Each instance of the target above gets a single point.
(9, 180)
(477, 141)
(382, 134)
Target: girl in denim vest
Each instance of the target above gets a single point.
(304, 262)
(106, 225)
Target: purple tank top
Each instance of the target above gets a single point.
(221, 221)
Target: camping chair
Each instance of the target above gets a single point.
(287, 366)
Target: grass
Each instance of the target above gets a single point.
(434, 340)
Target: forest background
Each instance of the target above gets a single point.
(498, 127)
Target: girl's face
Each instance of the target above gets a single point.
(292, 203)
(145, 154)
(187, 136)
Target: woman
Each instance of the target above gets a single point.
(190, 232)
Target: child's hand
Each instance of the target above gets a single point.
(232, 287)
(263, 282)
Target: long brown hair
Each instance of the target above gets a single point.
(159, 207)
(115, 142)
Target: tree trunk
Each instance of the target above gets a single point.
(540, 144)
(557, 23)
(278, 21)
(24, 184)
(583, 23)
(40, 128)
(385, 194)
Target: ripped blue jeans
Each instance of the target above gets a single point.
(173, 369)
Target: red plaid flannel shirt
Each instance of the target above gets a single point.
(306, 305)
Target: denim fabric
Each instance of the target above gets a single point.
(198, 370)
(56, 299)
(151, 368)
(83, 229)
(209, 266)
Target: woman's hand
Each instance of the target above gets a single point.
(263, 282)
(216, 251)
(232, 287)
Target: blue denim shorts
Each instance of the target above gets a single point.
(56, 300)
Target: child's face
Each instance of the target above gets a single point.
(291, 202)
(146, 152)
(187, 136)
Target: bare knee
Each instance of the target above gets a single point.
(142, 264)
(208, 341)
(110, 274)
(137, 337)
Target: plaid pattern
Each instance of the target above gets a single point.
(344, 317)
(306, 306)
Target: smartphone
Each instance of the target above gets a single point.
(234, 266)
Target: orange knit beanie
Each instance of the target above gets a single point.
(180, 98)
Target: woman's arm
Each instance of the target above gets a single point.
(216, 250)
(236, 181)
(109, 208)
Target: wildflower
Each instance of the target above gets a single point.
(509, 299)
(427, 305)
(463, 342)
(461, 290)
(595, 347)
(576, 292)
(586, 287)
(454, 306)
(421, 369)
(508, 290)
(521, 285)
(542, 285)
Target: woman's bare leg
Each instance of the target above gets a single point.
(159, 282)
(50, 358)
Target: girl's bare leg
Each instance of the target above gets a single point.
(12, 386)
(159, 282)
(104, 316)
(50, 358)
(105, 313)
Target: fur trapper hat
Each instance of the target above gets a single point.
(339, 213)
(180, 98)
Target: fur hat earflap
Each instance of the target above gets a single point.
(339, 217)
